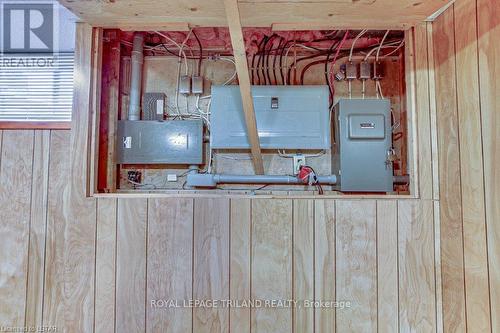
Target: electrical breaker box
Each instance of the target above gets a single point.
(288, 117)
(155, 142)
(362, 144)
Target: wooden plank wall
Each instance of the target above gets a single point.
(375, 254)
(422, 265)
(467, 67)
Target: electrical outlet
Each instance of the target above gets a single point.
(298, 161)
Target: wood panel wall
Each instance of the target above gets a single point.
(409, 265)
(467, 67)
(376, 254)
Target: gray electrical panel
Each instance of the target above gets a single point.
(362, 145)
(288, 117)
(155, 142)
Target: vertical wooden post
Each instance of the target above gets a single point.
(234, 22)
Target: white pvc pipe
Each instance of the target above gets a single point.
(134, 108)
(211, 180)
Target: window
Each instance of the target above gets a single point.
(36, 85)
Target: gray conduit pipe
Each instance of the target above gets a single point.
(134, 107)
(211, 180)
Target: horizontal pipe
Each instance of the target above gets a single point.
(211, 180)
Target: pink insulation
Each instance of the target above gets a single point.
(217, 40)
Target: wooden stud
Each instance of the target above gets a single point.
(108, 112)
(423, 145)
(240, 57)
(411, 106)
(80, 219)
(94, 113)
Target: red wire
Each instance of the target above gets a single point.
(337, 54)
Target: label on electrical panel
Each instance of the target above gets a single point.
(159, 106)
(127, 142)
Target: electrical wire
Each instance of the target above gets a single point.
(176, 44)
(354, 42)
(201, 53)
(381, 43)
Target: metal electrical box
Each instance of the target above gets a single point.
(362, 144)
(288, 117)
(155, 142)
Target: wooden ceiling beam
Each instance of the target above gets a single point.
(240, 57)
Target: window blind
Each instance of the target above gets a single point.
(36, 87)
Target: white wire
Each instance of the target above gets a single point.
(379, 89)
(395, 50)
(388, 45)
(354, 42)
(294, 62)
(181, 52)
(381, 43)
(234, 73)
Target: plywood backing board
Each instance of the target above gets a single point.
(338, 13)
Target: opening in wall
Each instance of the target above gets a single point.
(331, 112)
